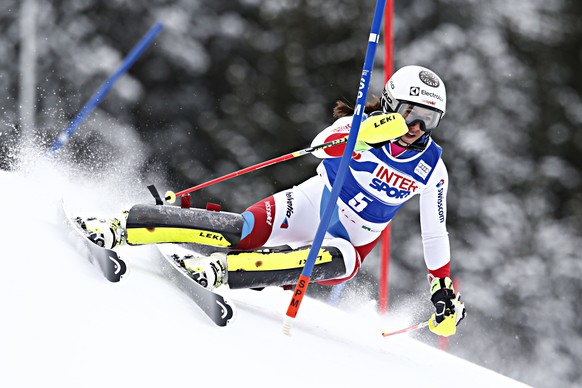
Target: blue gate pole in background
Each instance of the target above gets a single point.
(129, 60)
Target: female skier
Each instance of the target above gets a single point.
(269, 242)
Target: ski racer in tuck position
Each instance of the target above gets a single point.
(269, 242)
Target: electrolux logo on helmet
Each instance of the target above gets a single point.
(415, 91)
(432, 95)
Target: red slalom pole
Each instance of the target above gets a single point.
(171, 197)
(408, 329)
(383, 289)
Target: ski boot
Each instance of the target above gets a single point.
(208, 271)
(107, 233)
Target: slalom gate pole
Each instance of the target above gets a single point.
(171, 197)
(304, 278)
(384, 283)
(129, 60)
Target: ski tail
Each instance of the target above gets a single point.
(105, 260)
(217, 307)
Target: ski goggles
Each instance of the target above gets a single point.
(428, 117)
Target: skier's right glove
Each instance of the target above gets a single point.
(378, 129)
(449, 308)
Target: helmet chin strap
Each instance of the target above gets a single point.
(399, 141)
(419, 145)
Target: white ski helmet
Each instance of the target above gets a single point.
(416, 86)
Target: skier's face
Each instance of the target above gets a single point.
(418, 119)
(414, 133)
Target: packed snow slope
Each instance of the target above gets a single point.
(63, 325)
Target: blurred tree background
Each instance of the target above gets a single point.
(228, 84)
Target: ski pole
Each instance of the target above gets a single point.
(390, 125)
(171, 196)
(305, 277)
(129, 60)
(408, 329)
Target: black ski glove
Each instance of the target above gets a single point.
(449, 308)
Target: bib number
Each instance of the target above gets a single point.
(359, 202)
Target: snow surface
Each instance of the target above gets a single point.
(62, 324)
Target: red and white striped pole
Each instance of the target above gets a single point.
(384, 290)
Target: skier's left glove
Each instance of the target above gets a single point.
(378, 129)
(450, 310)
